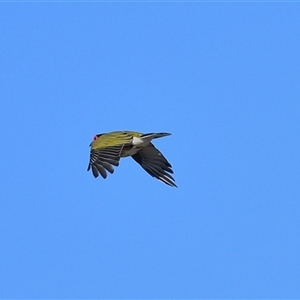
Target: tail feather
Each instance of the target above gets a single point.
(156, 135)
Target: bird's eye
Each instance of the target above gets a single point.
(95, 137)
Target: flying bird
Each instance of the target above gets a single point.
(108, 148)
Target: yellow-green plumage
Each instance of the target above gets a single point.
(108, 148)
(114, 138)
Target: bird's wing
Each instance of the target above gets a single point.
(153, 162)
(102, 159)
(106, 151)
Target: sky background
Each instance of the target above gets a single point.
(222, 77)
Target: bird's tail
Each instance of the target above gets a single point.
(155, 135)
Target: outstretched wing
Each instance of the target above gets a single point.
(106, 151)
(102, 159)
(153, 162)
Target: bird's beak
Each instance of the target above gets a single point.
(90, 144)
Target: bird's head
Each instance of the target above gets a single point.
(95, 138)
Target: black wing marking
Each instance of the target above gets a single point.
(153, 162)
(101, 160)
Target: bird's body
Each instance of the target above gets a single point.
(108, 148)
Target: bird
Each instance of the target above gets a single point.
(108, 148)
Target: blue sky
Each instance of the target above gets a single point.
(223, 78)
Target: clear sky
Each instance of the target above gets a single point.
(222, 77)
